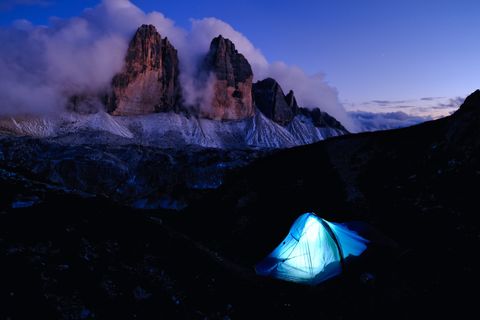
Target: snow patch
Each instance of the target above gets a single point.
(176, 130)
(25, 126)
(304, 131)
(262, 132)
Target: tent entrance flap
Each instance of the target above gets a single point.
(312, 252)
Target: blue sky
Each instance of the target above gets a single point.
(369, 50)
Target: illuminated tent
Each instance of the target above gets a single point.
(313, 251)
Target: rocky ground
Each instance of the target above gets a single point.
(133, 175)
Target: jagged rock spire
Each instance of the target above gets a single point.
(148, 82)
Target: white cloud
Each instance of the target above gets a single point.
(370, 121)
(426, 107)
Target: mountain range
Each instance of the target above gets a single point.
(146, 104)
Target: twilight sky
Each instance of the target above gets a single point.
(395, 55)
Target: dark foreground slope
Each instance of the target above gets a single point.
(419, 186)
(82, 257)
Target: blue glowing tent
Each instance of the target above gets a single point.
(314, 251)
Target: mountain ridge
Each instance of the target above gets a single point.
(148, 89)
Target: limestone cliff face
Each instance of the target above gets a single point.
(292, 101)
(271, 101)
(149, 80)
(232, 82)
(275, 105)
(322, 119)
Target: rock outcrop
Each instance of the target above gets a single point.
(291, 100)
(149, 80)
(283, 109)
(85, 104)
(232, 78)
(322, 119)
(271, 101)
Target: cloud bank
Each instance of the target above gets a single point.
(426, 107)
(369, 121)
(41, 67)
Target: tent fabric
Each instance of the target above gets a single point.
(313, 251)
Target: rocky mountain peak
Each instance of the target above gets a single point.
(283, 109)
(232, 76)
(148, 82)
(291, 100)
(271, 101)
(322, 119)
(228, 63)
